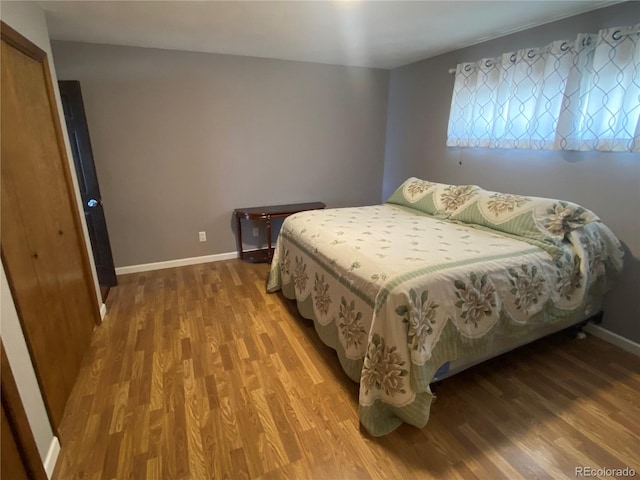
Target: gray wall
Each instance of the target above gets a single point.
(607, 183)
(181, 139)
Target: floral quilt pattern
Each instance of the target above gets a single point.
(397, 292)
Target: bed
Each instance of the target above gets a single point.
(437, 279)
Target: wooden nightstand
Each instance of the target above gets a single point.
(267, 213)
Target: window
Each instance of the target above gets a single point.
(569, 95)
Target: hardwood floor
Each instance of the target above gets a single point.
(104, 292)
(197, 373)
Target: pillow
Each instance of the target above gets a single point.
(437, 199)
(544, 219)
(415, 193)
(451, 199)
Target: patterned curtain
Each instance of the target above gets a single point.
(569, 95)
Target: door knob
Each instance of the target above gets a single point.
(92, 203)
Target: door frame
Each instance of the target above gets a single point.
(18, 422)
(23, 45)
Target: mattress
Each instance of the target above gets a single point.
(399, 293)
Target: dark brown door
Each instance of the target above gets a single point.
(43, 249)
(78, 130)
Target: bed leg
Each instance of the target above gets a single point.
(576, 330)
(597, 318)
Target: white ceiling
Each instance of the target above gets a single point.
(383, 34)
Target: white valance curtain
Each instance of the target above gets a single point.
(569, 95)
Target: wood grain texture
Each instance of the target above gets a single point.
(20, 457)
(196, 373)
(43, 249)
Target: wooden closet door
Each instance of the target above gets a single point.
(43, 249)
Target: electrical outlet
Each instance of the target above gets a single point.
(202, 236)
(256, 231)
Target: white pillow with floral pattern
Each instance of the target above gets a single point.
(544, 219)
(437, 199)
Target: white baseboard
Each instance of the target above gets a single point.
(180, 262)
(52, 457)
(613, 338)
(103, 311)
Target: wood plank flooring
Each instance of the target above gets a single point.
(197, 373)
